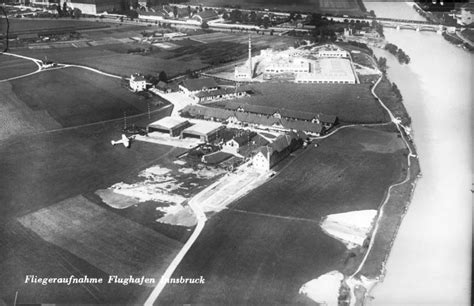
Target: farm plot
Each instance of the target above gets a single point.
(74, 96)
(350, 103)
(20, 26)
(111, 243)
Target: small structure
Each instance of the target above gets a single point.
(137, 82)
(206, 15)
(170, 125)
(192, 86)
(206, 131)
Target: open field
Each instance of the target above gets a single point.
(42, 26)
(111, 243)
(352, 7)
(16, 118)
(108, 50)
(264, 248)
(75, 96)
(350, 103)
(13, 66)
(43, 169)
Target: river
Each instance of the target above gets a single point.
(430, 259)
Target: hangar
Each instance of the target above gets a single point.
(206, 131)
(170, 125)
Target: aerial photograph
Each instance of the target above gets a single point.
(247, 152)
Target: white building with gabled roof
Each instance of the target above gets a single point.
(137, 82)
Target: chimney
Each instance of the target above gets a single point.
(250, 57)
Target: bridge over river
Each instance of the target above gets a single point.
(400, 24)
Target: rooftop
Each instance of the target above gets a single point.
(199, 84)
(169, 122)
(202, 127)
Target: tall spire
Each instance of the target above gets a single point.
(250, 57)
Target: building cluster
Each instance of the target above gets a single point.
(264, 153)
(329, 64)
(205, 131)
(464, 16)
(92, 7)
(160, 13)
(263, 118)
(204, 90)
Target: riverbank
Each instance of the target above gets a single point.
(429, 260)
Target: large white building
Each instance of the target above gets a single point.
(329, 70)
(93, 7)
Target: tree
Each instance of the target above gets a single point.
(253, 17)
(372, 13)
(76, 13)
(175, 11)
(382, 62)
(162, 77)
(236, 16)
(204, 25)
(132, 14)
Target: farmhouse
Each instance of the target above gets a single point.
(268, 156)
(93, 6)
(170, 125)
(192, 86)
(206, 131)
(137, 82)
(206, 15)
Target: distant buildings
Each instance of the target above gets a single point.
(328, 64)
(137, 82)
(206, 16)
(193, 86)
(465, 16)
(206, 90)
(93, 6)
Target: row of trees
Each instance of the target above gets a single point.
(403, 58)
(237, 16)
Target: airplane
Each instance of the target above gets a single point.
(125, 141)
